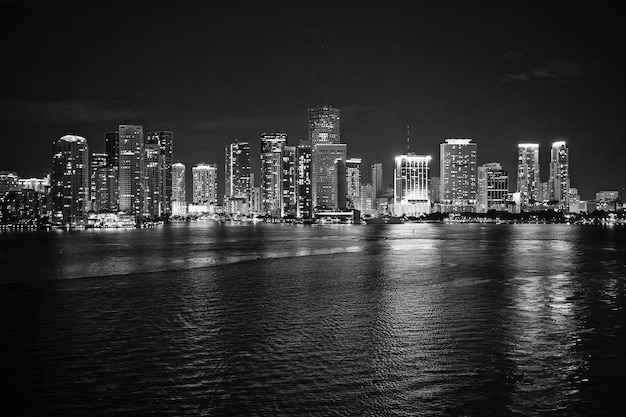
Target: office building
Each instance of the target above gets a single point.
(99, 192)
(165, 142)
(204, 178)
(304, 187)
(8, 182)
(131, 169)
(179, 199)
(112, 150)
(528, 180)
(559, 181)
(493, 188)
(272, 145)
(410, 191)
(324, 122)
(377, 184)
(237, 178)
(339, 184)
(353, 183)
(289, 188)
(70, 180)
(458, 174)
(152, 186)
(323, 177)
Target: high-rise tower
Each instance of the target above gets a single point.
(204, 183)
(179, 201)
(272, 146)
(304, 187)
(353, 183)
(70, 179)
(528, 181)
(131, 169)
(458, 163)
(410, 188)
(237, 177)
(559, 182)
(165, 141)
(324, 125)
(493, 188)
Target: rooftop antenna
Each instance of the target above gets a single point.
(407, 138)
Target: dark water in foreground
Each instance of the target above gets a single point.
(414, 319)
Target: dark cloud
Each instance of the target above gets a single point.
(66, 111)
(555, 69)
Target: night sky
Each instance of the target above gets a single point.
(500, 72)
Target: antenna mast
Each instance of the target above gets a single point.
(407, 138)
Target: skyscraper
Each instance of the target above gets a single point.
(324, 122)
(112, 149)
(377, 184)
(272, 145)
(237, 177)
(165, 140)
(204, 183)
(559, 181)
(131, 169)
(304, 188)
(353, 183)
(152, 186)
(70, 179)
(458, 163)
(289, 187)
(528, 181)
(98, 181)
(324, 172)
(339, 184)
(411, 196)
(493, 187)
(179, 201)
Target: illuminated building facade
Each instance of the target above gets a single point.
(237, 178)
(411, 196)
(324, 172)
(528, 180)
(131, 169)
(458, 175)
(304, 187)
(70, 180)
(559, 181)
(324, 123)
(179, 200)
(493, 188)
(204, 178)
(353, 183)
(272, 146)
(377, 184)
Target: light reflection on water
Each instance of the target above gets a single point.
(415, 319)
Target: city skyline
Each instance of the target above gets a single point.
(501, 73)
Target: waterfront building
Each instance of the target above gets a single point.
(204, 177)
(493, 188)
(559, 181)
(528, 180)
(165, 141)
(272, 145)
(324, 173)
(377, 184)
(131, 169)
(41, 185)
(179, 200)
(353, 182)
(98, 181)
(410, 190)
(112, 150)
(606, 200)
(152, 187)
(434, 189)
(70, 180)
(574, 200)
(237, 178)
(339, 184)
(289, 200)
(459, 176)
(304, 188)
(544, 193)
(366, 199)
(324, 123)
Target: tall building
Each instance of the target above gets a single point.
(237, 178)
(324, 122)
(528, 180)
(179, 200)
(377, 184)
(204, 184)
(304, 187)
(8, 182)
(165, 141)
(98, 189)
(112, 149)
(458, 173)
(410, 190)
(131, 169)
(353, 183)
(324, 173)
(339, 184)
(559, 181)
(272, 146)
(152, 186)
(289, 187)
(70, 179)
(493, 188)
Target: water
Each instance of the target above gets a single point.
(413, 319)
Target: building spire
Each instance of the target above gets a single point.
(407, 138)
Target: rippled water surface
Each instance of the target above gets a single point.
(413, 319)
